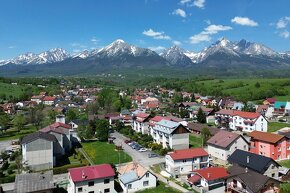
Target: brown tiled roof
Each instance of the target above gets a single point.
(188, 153)
(223, 139)
(266, 137)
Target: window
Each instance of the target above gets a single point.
(91, 183)
(106, 181)
(184, 160)
(80, 189)
(147, 174)
(129, 186)
(107, 190)
(279, 149)
(91, 191)
(273, 175)
(145, 183)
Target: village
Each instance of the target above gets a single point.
(100, 140)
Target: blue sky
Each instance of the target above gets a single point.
(75, 25)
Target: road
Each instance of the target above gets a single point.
(140, 157)
(4, 145)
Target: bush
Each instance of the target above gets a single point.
(5, 165)
(64, 169)
(9, 171)
(7, 179)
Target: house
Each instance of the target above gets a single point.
(170, 134)
(62, 133)
(154, 120)
(38, 150)
(197, 128)
(208, 178)
(49, 100)
(241, 120)
(224, 143)
(238, 106)
(89, 179)
(141, 123)
(8, 108)
(269, 101)
(287, 109)
(246, 180)
(77, 123)
(261, 164)
(271, 145)
(34, 182)
(134, 177)
(37, 98)
(279, 107)
(265, 110)
(186, 160)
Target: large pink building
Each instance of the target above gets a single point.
(271, 145)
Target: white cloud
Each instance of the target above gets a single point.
(11, 47)
(205, 35)
(175, 42)
(244, 21)
(208, 22)
(179, 12)
(156, 35)
(284, 34)
(185, 1)
(199, 38)
(94, 40)
(283, 22)
(199, 3)
(213, 29)
(157, 48)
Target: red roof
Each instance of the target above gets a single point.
(142, 115)
(159, 118)
(91, 172)
(271, 100)
(212, 173)
(194, 179)
(188, 153)
(56, 127)
(247, 115)
(48, 98)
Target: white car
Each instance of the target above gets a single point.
(142, 149)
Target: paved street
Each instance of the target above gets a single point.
(5, 145)
(140, 157)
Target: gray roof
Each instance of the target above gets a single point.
(32, 182)
(253, 180)
(128, 177)
(166, 126)
(38, 135)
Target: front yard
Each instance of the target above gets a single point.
(195, 141)
(103, 152)
(275, 126)
(285, 163)
(161, 188)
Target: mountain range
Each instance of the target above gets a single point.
(222, 57)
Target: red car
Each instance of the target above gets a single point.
(127, 141)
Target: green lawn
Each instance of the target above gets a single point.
(194, 141)
(10, 90)
(161, 188)
(103, 152)
(275, 126)
(14, 134)
(285, 163)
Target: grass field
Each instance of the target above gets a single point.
(275, 126)
(102, 152)
(14, 134)
(9, 89)
(161, 188)
(285, 163)
(194, 141)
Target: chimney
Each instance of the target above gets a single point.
(83, 174)
(60, 119)
(246, 170)
(248, 159)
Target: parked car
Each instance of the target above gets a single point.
(150, 155)
(127, 141)
(142, 149)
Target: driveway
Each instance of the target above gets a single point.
(140, 157)
(4, 145)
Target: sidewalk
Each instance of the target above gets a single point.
(86, 156)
